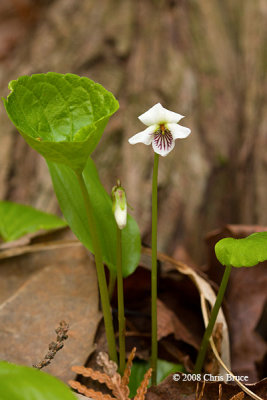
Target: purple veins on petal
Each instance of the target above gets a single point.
(163, 140)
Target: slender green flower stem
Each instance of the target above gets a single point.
(212, 320)
(154, 339)
(111, 284)
(100, 271)
(120, 304)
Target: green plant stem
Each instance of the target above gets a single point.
(111, 284)
(100, 271)
(212, 320)
(120, 304)
(154, 279)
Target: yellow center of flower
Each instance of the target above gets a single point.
(162, 128)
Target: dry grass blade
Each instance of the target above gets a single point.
(89, 392)
(141, 391)
(196, 394)
(127, 372)
(245, 389)
(95, 375)
(220, 392)
(200, 396)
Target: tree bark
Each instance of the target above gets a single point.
(202, 59)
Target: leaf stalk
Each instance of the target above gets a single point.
(212, 320)
(154, 278)
(121, 316)
(100, 271)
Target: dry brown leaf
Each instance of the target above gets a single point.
(206, 295)
(173, 390)
(39, 290)
(169, 323)
(179, 294)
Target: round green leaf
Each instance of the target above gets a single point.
(17, 220)
(245, 252)
(24, 383)
(60, 116)
(72, 206)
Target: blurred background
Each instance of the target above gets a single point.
(203, 59)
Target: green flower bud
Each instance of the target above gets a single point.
(119, 205)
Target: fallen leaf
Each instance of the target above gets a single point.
(169, 323)
(49, 287)
(19, 262)
(206, 295)
(174, 390)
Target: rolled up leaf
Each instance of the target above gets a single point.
(60, 116)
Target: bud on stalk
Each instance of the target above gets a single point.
(119, 205)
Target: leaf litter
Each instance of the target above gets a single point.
(183, 342)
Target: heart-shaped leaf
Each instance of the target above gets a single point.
(245, 252)
(72, 206)
(17, 220)
(60, 116)
(24, 383)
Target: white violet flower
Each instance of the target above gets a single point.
(162, 131)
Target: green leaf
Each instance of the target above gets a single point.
(72, 205)
(24, 383)
(245, 252)
(17, 220)
(60, 116)
(139, 368)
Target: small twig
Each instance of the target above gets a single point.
(54, 347)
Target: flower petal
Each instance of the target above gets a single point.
(159, 115)
(145, 136)
(163, 144)
(121, 217)
(178, 131)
